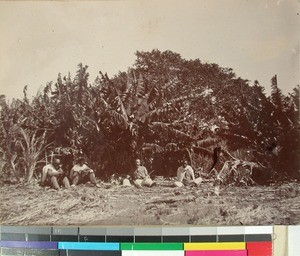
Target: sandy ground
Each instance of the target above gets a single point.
(158, 205)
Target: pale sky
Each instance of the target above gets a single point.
(257, 38)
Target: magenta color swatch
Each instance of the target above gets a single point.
(217, 253)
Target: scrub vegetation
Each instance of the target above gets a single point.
(161, 110)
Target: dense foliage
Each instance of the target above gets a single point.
(162, 109)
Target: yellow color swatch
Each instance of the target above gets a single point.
(215, 246)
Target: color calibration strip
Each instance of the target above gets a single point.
(191, 241)
(183, 249)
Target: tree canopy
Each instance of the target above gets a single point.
(161, 109)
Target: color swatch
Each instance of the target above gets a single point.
(139, 241)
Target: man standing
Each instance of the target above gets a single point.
(53, 175)
(186, 176)
(141, 176)
(81, 172)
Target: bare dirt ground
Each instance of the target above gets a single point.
(158, 205)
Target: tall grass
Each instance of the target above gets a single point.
(9, 155)
(32, 147)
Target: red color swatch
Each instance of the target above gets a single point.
(259, 248)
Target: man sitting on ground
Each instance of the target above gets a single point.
(141, 176)
(81, 172)
(53, 176)
(186, 176)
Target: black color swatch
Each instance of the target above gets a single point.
(258, 238)
(92, 238)
(121, 239)
(64, 238)
(175, 239)
(231, 238)
(148, 239)
(204, 239)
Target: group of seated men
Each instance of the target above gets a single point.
(53, 175)
(185, 175)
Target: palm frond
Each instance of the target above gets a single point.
(203, 151)
(166, 129)
(140, 88)
(171, 147)
(120, 104)
(153, 147)
(206, 142)
(117, 118)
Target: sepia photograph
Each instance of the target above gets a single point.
(137, 113)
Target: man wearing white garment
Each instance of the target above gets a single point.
(141, 176)
(54, 176)
(81, 172)
(186, 176)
